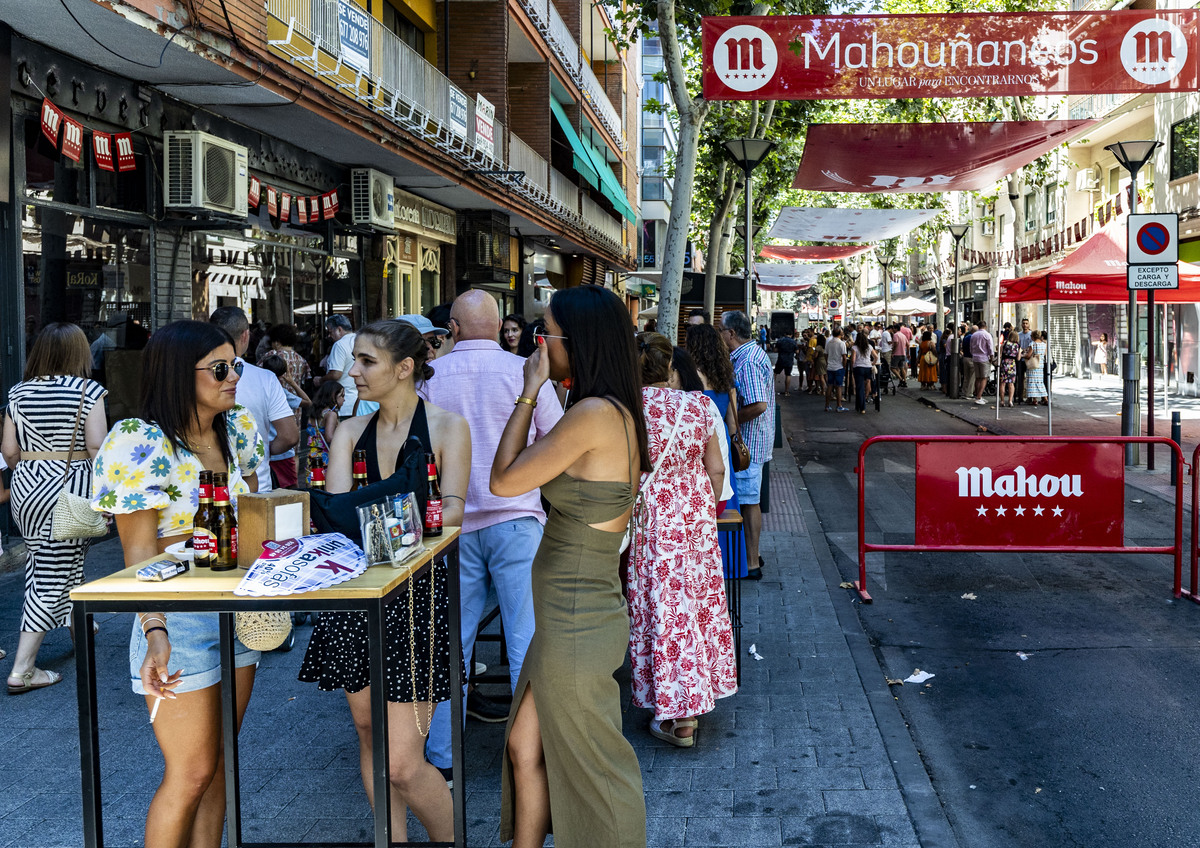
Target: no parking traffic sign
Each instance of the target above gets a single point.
(1153, 239)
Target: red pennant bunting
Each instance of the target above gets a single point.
(102, 149)
(123, 144)
(255, 192)
(302, 210)
(328, 205)
(72, 138)
(272, 202)
(51, 121)
(285, 208)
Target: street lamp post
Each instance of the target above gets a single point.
(748, 153)
(852, 272)
(1132, 155)
(957, 231)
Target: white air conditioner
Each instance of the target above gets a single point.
(372, 198)
(204, 172)
(1087, 179)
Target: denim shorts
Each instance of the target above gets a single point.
(836, 378)
(749, 484)
(195, 648)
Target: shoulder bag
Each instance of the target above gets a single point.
(739, 456)
(73, 516)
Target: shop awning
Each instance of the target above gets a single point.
(1095, 273)
(955, 156)
(780, 276)
(799, 223)
(610, 186)
(582, 160)
(812, 252)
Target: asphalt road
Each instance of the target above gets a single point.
(1063, 707)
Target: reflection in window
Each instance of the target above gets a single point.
(1185, 147)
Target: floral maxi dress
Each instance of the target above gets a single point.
(681, 641)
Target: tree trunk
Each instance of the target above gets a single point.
(692, 113)
(718, 241)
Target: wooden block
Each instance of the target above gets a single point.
(277, 515)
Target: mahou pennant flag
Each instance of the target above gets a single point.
(302, 210)
(72, 138)
(103, 151)
(272, 202)
(255, 192)
(329, 205)
(123, 143)
(285, 208)
(51, 121)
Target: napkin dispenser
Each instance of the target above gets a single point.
(269, 516)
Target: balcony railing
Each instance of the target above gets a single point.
(594, 214)
(1097, 105)
(594, 93)
(564, 192)
(522, 157)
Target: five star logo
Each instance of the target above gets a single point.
(745, 58)
(1019, 511)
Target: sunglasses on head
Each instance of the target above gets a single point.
(220, 370)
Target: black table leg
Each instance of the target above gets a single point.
(89, 726)
(458, 794)
(379, 728)
(233, 798)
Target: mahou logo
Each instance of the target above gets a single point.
(745, 58)
(1154, 51)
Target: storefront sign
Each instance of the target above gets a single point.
(458, 111)
(413, 214)
(354, 33)
(966, 55)
(1053, 494)
(485, 114)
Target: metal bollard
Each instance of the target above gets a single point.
(1177, 438)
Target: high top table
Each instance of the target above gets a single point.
(203, 590)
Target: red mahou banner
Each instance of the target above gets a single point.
(987, 493)
(966, 55)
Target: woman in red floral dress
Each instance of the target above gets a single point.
(680, 642)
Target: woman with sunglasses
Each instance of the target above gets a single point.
(566, 757)
(147, 474)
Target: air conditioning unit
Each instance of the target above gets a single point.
(203, 172)
(372, 198)
(1087, 179)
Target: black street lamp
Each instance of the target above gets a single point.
(957, 231)
(885, 261)
(852, 273)
(1132, 156)
(749, 153)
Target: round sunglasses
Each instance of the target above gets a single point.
(220, 370)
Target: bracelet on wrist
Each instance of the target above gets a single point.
(150, 618)
(522, 399)
(150, 630)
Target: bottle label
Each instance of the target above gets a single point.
(206, 492)
(316, 475)
(201, 542)
(222, 495)
(433, 514)
(432, 470)
(360, 469)
(233, 544)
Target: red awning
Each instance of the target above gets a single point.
(925, 157)
(815, 252)
(1095, 273)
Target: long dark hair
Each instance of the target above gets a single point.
(601, 352)
(711, 356)
(681, 364)
(862, 342)
(168, 396)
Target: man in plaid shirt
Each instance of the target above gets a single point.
(756, 419)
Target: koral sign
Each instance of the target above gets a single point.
(967, 55)
(991, 494)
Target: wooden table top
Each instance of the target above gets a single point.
(204, 584)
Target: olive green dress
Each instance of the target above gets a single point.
(582, 633)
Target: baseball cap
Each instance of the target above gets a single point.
(423, 324)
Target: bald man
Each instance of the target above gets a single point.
(481, 381)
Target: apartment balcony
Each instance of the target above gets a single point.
(551, 25)
(395, 81)
(595, 216)
(564, 192)
(1097, 105)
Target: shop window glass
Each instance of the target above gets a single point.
(48, 174)
(1051, 194)
(125, 190)
(1185, 147)
(1030, 210)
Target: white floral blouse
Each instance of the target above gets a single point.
(137, 468)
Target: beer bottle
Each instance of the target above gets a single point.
(223, 526)
(316, 470)
(433, 505)
(360, 470)
(201, 522)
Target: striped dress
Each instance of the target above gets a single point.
(43, 411)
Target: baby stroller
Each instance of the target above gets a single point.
(883, 382)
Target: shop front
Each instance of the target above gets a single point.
(418, 257)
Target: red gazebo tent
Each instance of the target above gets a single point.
(1095, 273)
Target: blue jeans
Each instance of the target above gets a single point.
(500, 556)
(862, 382)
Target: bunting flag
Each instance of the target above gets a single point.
(111, 152)
(281, 204)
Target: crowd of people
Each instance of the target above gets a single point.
(570, 451)
(837, 361)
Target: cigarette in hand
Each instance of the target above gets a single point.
(154, 711)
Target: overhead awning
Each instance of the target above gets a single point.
(610, 186)
(788, 252)
(581, 159)
(798, 223)
(780, 276)
(1095, 273)
(931, 158)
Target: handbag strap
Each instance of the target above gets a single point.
(666, 448)
(74, 435)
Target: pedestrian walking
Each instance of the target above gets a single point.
(785, 361)
(148, 475)
(865, 359)
(681, 640)
(54, 427)
(510, 331)
(835, 370)
(1100, 354)
(1035, 363)
(1010, 353)
(565, 756)
(389, 360)
(1023, 339)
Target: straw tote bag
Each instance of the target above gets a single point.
(73, 516)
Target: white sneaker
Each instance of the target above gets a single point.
(981, 402)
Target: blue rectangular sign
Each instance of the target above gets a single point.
(354, 33)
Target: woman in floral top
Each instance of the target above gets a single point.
(147, 474)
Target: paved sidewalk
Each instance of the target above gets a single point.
(807, 753)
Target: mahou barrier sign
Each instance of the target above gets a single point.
(966, 55)
(991, 495)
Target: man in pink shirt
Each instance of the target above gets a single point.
(500, 536)
(900, 339)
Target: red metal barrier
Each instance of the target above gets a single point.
(974, 478)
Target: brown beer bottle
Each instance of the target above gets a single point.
(360, 470)
(201, 522)
(223, 526)
(316, 470)
(433, 506)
